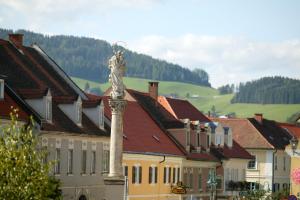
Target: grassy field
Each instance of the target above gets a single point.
(207, 97)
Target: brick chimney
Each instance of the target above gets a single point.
(153, 90)
(16, 39)
(258, 117)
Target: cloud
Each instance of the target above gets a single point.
(64, 16)
(226, 59)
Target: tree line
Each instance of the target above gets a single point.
(269, 90)
(87, 58)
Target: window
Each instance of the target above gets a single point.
(219, 182)
(1, 89)
(284, 163)
(57, 161)
(136, 174)
(275, 163)
(178, 175)
(48, 109)
(232, 175)
(254, 186)
(185, 177)
(252, 163)
(45, 155)
(93, 162)
(101, 116)
(105, 161)
(167, 175)
(188, 137)
(152, 175)
(198, 140)
(285, 186)
(83, 162)
(191, 179)
(236, 174)
(199, 180)
(276, 187)
(78, 112)
(125, 171)
(208, 141)
(218, 139)
(70, 161)
(174, 175)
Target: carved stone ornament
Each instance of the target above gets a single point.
(117, 105)
(116, 65)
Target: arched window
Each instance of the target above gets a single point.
(82, 197)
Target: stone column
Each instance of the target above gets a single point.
(116, 138)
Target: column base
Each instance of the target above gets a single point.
(114, 180)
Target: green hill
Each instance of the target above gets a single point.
(204, 98)
(87, 58)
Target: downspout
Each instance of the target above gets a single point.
(158, 178)
(273, 170)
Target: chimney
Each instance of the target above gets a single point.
(16, 39)
(153, 90)
(258, 117)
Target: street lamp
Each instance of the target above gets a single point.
(294, 144)
(212, 183)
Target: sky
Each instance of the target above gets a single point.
(233, 40)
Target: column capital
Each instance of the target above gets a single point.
(117, 105)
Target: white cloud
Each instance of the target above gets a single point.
(64, 16)
(226, 59)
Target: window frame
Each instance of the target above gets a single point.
(57, 161)
(70, 161)
(105, 161)
(93, 161)
(83, 162)
(255, 163)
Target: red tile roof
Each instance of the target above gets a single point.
(12, 101)
(142, 134)
(182, 109)
(244, 133)
(37, 76)
(291, 128)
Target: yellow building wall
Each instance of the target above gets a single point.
(295, 164)
(145, 190)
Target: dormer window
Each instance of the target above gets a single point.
(78, 112)
(1, 89)
(101, 115)
(48, 106)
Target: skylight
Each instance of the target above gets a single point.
(156, 138)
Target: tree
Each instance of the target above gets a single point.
(293, 118)
(23, 175)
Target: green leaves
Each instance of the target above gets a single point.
(23, 175)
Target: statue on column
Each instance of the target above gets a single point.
(116, 65)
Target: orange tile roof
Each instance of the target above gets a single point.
(293, 129)
(182, 109)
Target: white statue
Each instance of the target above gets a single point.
(117, 69)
